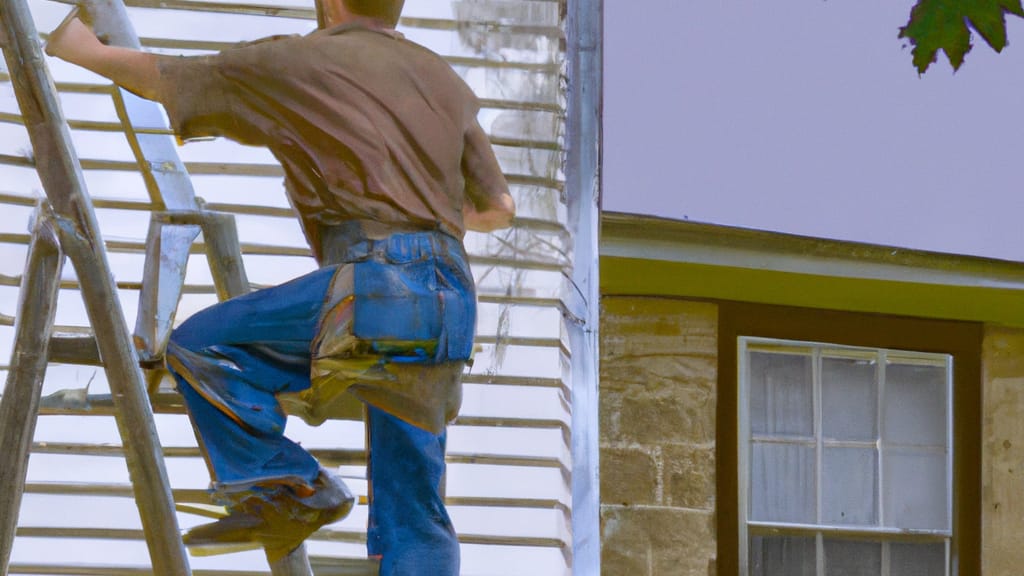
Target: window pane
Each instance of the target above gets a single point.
(917, 559)
(782, 483)
(849, 399)
(838, 440)
(915, 405)
(850, 486)
(781, 394)
(915, 489)
(850, 558)
(774, 556)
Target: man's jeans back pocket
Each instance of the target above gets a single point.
(415, 303)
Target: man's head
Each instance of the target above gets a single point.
(386, 10)
(333, 12)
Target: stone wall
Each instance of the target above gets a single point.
(658, 389)
(1003, 451)
(658, 395)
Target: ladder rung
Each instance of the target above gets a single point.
(74, 349)
(99, 570)
(322, 566)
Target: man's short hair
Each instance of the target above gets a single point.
(386, 10)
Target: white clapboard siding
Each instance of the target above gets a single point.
(509, 481)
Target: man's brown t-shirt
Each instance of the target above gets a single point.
(367, 125)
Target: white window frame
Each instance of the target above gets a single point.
(883, 535)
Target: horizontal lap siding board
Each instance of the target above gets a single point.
(509, 462)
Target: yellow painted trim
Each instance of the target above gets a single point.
(642, 277)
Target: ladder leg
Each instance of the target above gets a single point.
(20, 403)
(133, 413)
(224, 254)
(294, 564)
(163, 278)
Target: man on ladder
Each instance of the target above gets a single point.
(387, 167)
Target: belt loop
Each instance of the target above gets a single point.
(435, 245)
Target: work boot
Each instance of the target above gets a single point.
(278, 518)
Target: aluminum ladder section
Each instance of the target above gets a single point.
(70, 228)
(66, 225)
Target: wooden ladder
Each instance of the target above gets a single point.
(65, 225)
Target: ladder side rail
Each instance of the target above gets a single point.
(224, 253)
(75, 219)
(296, 563)
(19, 405)
(167, 180)
(163, 279)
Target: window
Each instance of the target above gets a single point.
(847, 443)
(846, 460)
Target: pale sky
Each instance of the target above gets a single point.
(807, 117)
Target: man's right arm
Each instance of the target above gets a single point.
(136, 71)
(199, 100)
(488, 206)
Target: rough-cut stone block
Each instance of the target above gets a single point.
(644, 326)
(656, 373)
(609, 416)
(1003, 451)
(629, 476)
(689, 476)
(685, 417)
(653, 541)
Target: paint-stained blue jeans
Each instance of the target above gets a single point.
(389, 308)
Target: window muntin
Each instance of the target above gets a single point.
(845, 459)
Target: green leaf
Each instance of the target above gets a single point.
(989, 19)
(942, 25)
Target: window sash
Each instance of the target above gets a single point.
(889, 559)
(877, 532)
